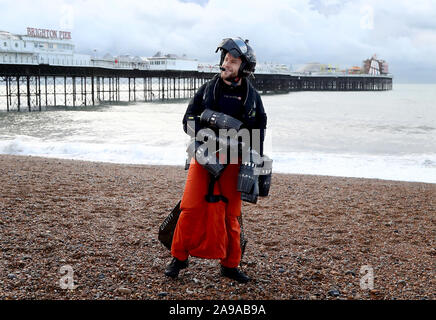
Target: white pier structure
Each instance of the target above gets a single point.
(56, 48)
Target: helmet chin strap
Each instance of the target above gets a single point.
(234, 82)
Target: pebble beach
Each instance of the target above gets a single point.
(314, 237)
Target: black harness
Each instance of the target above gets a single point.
(210, 98)
(213, 198)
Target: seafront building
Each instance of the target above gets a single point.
(56, 48)
(40, 48)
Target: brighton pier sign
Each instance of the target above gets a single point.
(48, 34)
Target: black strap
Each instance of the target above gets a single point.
(212, 198)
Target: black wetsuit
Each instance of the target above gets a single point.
(242, 102)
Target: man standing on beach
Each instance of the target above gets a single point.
(208, 225)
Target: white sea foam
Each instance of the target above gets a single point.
(419, 167)
(386, 135)
(108, 152)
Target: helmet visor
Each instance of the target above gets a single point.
(242, 46)
(236, 46)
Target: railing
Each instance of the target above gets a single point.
(339, 74)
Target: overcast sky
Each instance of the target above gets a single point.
(342, 32)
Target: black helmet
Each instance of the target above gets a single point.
(239, 48)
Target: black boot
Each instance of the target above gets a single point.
(174, 267)
(235, 274)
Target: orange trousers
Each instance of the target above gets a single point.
(209, 230)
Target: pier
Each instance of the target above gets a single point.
(36, 86)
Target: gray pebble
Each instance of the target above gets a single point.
(124, 290)
(334, 293)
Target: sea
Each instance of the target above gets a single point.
(387, 135)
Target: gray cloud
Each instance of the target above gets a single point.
(341, 32)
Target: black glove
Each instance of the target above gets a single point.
(208, 160)
(251, 196)
(248, 175)
(219, 120)
(265, 176)
(248, 171)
